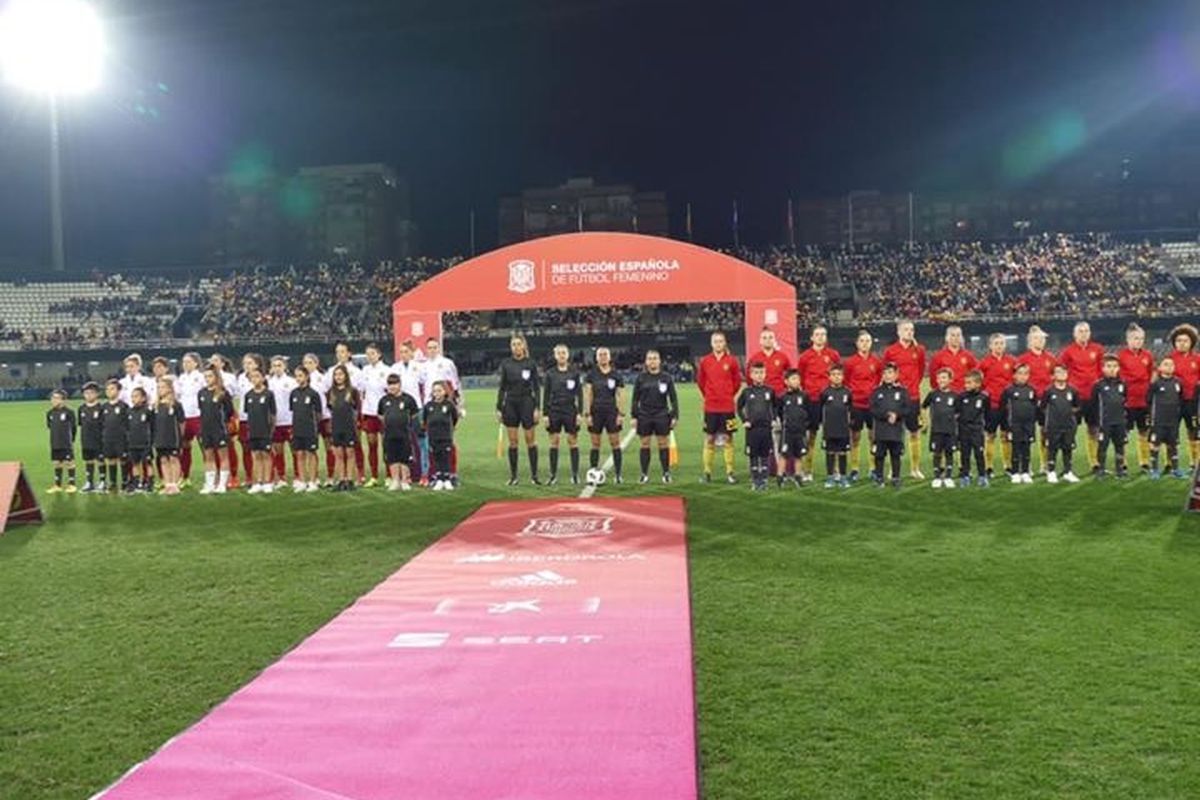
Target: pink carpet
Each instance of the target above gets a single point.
(539, 651)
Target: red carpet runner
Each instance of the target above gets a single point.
(539, 651)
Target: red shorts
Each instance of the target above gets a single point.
(370, 424)
(191, 428)
(325, 428)
(283, 433)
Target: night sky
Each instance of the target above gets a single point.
(707, 101)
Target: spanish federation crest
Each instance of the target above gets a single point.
(521, 277)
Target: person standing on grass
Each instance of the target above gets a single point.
(777, 363)
(62, 424)
(440, 367)
(757, 408)
(344, 358)
(997, 368)
(1019, 404)
(281, 385)
(1166, 404)
(1041, 363)
(793, 416)
(837, 411)
(168, 434)
(1136, 371)
(374, 386)
(941, 405)
(973, 406)
(91, 436)
(230, 382)
(216, 417)
(562, 408)
(438, 421)
(1187, 370)
(318, 381)
(343, 408)
(655, 411)
(115, 435)
(1083, 358)
(259, 405)
(251, 362)
(718, 377)
(1109, 412)
(397, 410)
(602, 390)
(141, 443)
(412, 383)
(1060, 415)
(517, 405)
(889, 405)
(188, 385)
(909, 357)
(814, 365)
(305, 404)
(862, 371)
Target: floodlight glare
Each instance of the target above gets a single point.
(55, 47)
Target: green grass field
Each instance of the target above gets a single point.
(1014, 642)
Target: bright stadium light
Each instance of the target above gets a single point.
(54, 48)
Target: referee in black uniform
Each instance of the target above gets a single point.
(517, 405)
(655, 410)
(562, 406)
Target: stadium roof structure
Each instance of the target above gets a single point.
(599, 269)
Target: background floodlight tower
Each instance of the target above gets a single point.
(54, 48)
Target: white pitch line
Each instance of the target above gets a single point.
(590, 489)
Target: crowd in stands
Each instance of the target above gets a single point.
(1045, 276)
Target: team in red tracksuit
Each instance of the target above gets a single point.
(997, 368)
(1136, 369)
(1041, 365)
(864, 370)
(777, 363)
(909, 358)
(1083, 360)
(814, 364)
(719, 377)
(958, 360)
(1187, 370)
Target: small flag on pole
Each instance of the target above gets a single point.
(500, 442)
(673, 452)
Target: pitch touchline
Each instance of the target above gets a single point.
(590, 489)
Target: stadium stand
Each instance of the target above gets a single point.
(1046, 277)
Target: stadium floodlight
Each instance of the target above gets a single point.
(54, 48)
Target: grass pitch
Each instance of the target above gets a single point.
(1019, 641)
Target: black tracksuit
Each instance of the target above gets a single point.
(1060, 409)
(837, 413)
(655, 405)
(1166, 409)
(893, 399)
(972, 420)
(756, 406)
(396, 413)
(438, 421)
(943, 429)
(168, 428)
(215, 413)
(1019, 414)
(793, 412)
(1108, 409)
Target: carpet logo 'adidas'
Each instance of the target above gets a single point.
(545, 577)
(568, 527)
(536, 558)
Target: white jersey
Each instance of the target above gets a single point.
(187, 391)
(281, 386)
(374, 379)
(441, 369)
(356, 378)
(411, 375)
(130, 382)
(244, 388)
(319, 383)
(232, 387)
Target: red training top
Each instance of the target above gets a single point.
(1137, 370)
(814, 367)
(997, 375)
(959, 362)
(719, 380)
(862, 376)
(1084, 367)
(1041, 369)
(910, 361)
(777, 363)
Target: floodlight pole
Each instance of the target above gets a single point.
(57, 250)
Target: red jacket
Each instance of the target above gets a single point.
(1084, 367)
(1137, 370)
(1041, 369)
(863, 374)
(997, 375)
(960, 363)
(814, 370)
(1187, 369)
(910, 361)
(777, 364)
(719, 380)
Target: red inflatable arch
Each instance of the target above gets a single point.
(599, 269)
